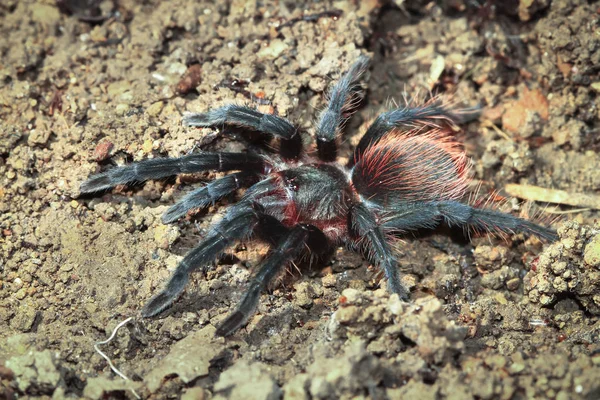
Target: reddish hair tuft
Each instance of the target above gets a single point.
(412, 166)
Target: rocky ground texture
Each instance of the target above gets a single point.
(89, 84)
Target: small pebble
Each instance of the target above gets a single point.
(395, 305)
(121, 109)
(190, 79)
(352, 296)
(155, 109)
(591, 255)
(329, 280)
(513, 284)
(147, 146)
(102, 151)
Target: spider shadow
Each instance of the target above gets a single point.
(454, 236)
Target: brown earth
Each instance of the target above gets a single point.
(86, 89)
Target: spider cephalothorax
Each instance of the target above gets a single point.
(406, 174)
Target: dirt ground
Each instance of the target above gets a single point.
(93, 84)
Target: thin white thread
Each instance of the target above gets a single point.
(115, 370)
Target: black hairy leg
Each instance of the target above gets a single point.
(412, 117)
(209, 194)
(246, 117)
(158, 168)
(290, 246)
(415, 216)
(408, 172)
(370, 238)
(342, 99)
(237, 224)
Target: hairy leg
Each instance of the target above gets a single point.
(376, 249)
(157, 168)
(291, 142)
(289, 246)
(238, 223)
(341, 100)
(207, 195)
(428, 215)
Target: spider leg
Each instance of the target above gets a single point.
(291, 142)
(377, 250)
(428, 215)
(410, 217)
(410, 118)
(287, 248)
(157, 168)
(238, 223)
(332, 117)
(209, 194)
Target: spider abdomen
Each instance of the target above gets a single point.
(413, 166)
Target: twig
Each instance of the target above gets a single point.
(489, 124)
(559, 212)
(536, 193)
(115, 370)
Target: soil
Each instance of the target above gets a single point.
(94, 84)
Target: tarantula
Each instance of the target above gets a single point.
(407, 173)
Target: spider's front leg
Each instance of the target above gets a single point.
(342, 99)
(289, 246)
(370, 236)
(239, 222)
(291, 142)
(157, 168)
(207, 195)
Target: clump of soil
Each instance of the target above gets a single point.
(568, 268)
(87, 85)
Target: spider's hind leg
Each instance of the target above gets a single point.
(433, 113)
(485, 220)
(454, 213)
